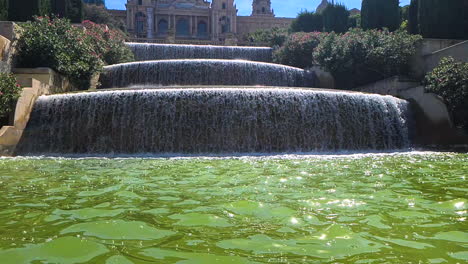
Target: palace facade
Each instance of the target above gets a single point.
(217, 21)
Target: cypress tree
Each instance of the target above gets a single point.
(442, 19)
(335, 18)
(71, 9)
(307, 22)
(3, 9)
(413, 24)
(377, 14)
(24, 10)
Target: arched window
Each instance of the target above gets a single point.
(162, 26)
(225, 24)
(182, 27)
(202, 29)
(140, 2)
(224, 5)
(263, 10)
(140, 24)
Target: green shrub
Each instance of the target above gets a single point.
(335, 18)
(307, 22)
(25, 10)
(297, 50)
(271, 37)
(379, 14)
(449, 80)
(9, 93)
(109, 43)
(55, 43)
(360, 57)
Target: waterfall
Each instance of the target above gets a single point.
(145, 52)
(215, 120)
(204, 72)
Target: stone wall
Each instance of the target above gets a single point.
(431, 51)
(249, 24)
(432, 122)
(4, 54)
(11, 135)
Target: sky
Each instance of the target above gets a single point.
(283, 8)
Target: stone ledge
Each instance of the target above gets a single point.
(11, 135)
(57, 83)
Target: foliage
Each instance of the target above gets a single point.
(71, 9)
(99, 15)
(274, 37)
(108, 43)
(95, 2)
(413, 24)
(24, 10)
(9, 93)
(443, 19)
(3, 10)
(450, 81)
(297, 50)
(354, 21)
(55, 43)
(379, 14)
(359, 57)
(404, 13)
(307, 22)
(335, 18)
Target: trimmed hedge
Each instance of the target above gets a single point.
(297, 50)
(360, 57)
(449, 80)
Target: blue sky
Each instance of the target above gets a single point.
(283, 8)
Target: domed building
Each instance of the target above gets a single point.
(195, 21)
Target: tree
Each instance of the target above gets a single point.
(71, 9)
(99, 15)
(3, 10)
(442, 19)
(413, 24)
(378, 14)
(307, 22)
(96, 2)
(335, 18)
(24, 10)
(354, 21)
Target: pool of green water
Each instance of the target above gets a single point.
(401, 208)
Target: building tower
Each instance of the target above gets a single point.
(224, 18)
(262, 8)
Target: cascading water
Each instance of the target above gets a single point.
(215, 120)
(146, 51)
(204, 72)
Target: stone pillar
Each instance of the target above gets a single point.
(195, 33)
(150, 22)
(190, 25)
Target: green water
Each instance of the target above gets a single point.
(406, 208)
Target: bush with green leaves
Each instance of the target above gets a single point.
(55, 43)
(298, 48)
(108, 43)
(449, 80)
(274, 37)
(307, 22)
(360, 57)
(9, 93)
(99, 15)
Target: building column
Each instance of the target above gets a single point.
(195, 33)
(150, 22)
(190, 25)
